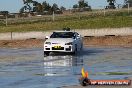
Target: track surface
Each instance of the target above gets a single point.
(27, 68)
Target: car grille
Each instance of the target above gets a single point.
(61, 48)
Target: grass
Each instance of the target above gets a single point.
(75, 21)
(114, 73)
(117, 73)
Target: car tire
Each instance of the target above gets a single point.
(81, 47)
(75, 51)
(46, 53)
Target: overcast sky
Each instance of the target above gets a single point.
(15, 5)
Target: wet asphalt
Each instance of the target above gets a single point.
(28, 68)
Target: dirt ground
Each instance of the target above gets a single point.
(29, 43)
(125, 41)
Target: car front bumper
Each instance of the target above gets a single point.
(62, 48)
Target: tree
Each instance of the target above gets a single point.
(111, 1)
(27, 7)
(55, 7)
(62, 8)
(5, 13)
(39, 7)
(21, 10)
(75, 6)
(31, 6)
(46, 6)
(27, 3)
(111, 4)
(34, 6)
(24, 1)
(35, 3)
(82, 5)
(126, 3)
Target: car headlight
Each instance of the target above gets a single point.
(70, 43)
(48, 43)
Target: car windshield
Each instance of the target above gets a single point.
(63, 35)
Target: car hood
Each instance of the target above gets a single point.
(60, 40)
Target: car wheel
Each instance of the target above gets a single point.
(75, 51)
(81, 47)
(46, 53)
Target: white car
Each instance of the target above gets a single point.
(63, 41)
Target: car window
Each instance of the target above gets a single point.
(63, 35)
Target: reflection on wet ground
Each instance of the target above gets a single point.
(27, 68)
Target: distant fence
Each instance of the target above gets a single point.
(68, 16)
(105, 31)
(83, 32)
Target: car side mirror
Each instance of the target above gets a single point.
(47, 37)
